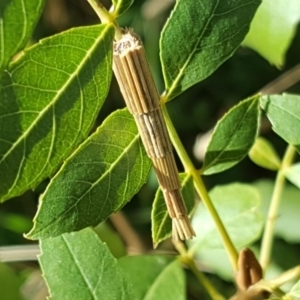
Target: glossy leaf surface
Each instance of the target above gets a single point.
(17, 21)
(99, 178)
(232, 137)
(48, 102)
(283, 111)
(199, 36)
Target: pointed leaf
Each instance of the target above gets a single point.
(272, 40)
(199, 36)
(154, 277)
(121, 6)
(161, 221)
(48, 103)
(79, 266)
(237, 205)
(97, 180)
(264, 155)
(283, 111)
(17, 21)
(293, 174)
(232, 137)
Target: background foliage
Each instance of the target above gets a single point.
(194, 112)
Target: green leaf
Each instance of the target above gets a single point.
(264, 155)
(79, 266)
(161, 221)
(288, 218)
(237, 205)
(293, 174)
(99, 178)
(295, 291)
(283, 111)
(232, 137)
(198, 37)
(154, 277)
(120, 6)
(10, 283)
(48, 102)
(272, 40)
(17, 21)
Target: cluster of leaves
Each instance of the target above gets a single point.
(50, 97)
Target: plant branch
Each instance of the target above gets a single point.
(285, 277)
(283, 82)
(201, 190)
(127, 233)
(267, 240)
(19, 253)
(106, 17)
(266, 285)
(188, 260)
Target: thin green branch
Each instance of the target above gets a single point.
(292, 274)
(266, 285)
(268, 235)
(201, 190)
(106, 17)
(188, 260)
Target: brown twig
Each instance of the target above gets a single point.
(283, 82)
(127, 233)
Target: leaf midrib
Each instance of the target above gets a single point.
(136, 138)
(89, 287)
(57, 97)
(181, 72)
(216, 159)
(182, 69)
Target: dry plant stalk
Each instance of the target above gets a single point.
(142, 99)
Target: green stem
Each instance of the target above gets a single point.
(201, 190)
(267, 240)
(266, 285)
(106, 17)
(292, 274)
(190, 263)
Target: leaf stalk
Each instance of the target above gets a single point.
(267, 240)
(106, 17)
(201, 190)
